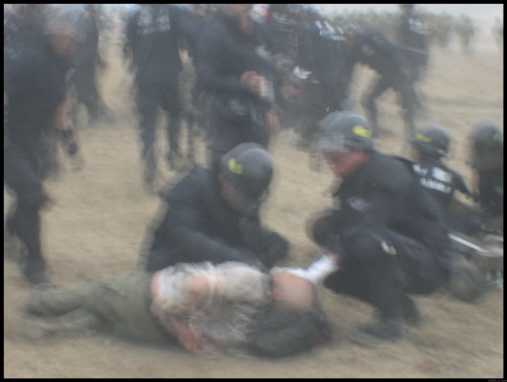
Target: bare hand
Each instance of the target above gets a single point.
(252, 82)
(272, 122)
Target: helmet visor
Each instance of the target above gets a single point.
(330, 143)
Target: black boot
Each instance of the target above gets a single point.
(411, 312)
(35, 270)
(380, 331)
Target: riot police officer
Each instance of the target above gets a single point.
(431, 144)
(215, 217)
(34, 99)
(153, 35)
(235, 70)
(386, 231)
(412, 38)
(486, 158)
(373, 49)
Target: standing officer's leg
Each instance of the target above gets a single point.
(408, 100)
(21, 174)
(170, 101)
(380, 86)
(147, 107)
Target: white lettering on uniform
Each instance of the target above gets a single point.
(419, 170)
(161, 24)
(441, 175)
(436, 185)
(358, 204)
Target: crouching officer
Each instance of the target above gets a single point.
(215, 217)
(431, 144)
(386, 232)
(486, 158)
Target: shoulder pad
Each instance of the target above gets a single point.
(186, 183)
(391, 173)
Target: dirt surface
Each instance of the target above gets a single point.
(97, 224)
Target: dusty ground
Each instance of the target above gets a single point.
(97, 225)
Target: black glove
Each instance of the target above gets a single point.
(321, 230)
(269, 246)
(275, 249)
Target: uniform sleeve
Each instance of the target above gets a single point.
(213, 56)
(379, 204)
(199, 246)
(20, 69)
(461, 186)
(185, 227)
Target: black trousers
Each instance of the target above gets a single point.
(149, 97)
(407, 98)
(22, 175)
(382, 266)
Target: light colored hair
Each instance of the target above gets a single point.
(296, 292)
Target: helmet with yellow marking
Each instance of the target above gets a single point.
(432, 140)
(249, 167)
(485, 145)
(344, 131)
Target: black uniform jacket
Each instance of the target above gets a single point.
(226, 52)
(200, 226)
(491, 191)
(34, 81)
(440, 181)
(381, 55)
(154, 36)
(384, 193)
(412, 35)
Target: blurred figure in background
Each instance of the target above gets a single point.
(497, 31)
(323, 52)
(412, 38)
(235, 70)
(34, 100)
(486, 159)
(466, 31)
(393, 69)
(153, 35)
(83, 81)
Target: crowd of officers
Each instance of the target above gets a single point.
(386, 235)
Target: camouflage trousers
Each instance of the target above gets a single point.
(118, 304)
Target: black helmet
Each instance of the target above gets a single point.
(432, 140)
(486, 136)
(249, 167)
(485, 145)
(344, 131)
